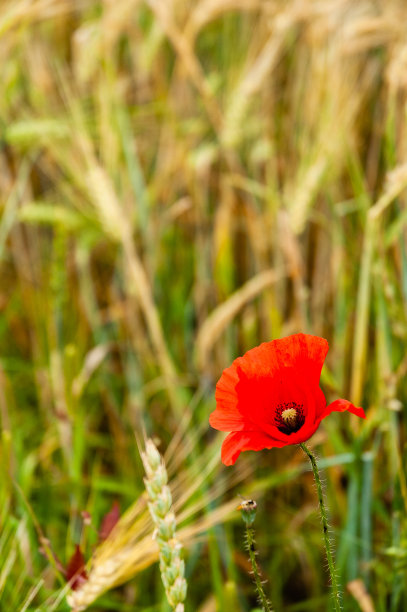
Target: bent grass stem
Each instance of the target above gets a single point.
(322, 509)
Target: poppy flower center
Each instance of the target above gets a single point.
(289, 417)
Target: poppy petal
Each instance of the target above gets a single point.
(305, 353)
(239, 441)
(228, 421)
(267, 375)
(341, 405)
(227, 417)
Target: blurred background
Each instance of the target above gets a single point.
(181, 180)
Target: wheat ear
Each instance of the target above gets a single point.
(172, 566)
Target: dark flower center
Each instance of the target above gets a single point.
(289, 417)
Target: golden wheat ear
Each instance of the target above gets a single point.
(133, 543)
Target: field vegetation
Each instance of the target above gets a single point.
(181, 180)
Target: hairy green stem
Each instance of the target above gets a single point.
(256, 573)
(322, 509)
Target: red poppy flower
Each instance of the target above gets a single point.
(270, 397)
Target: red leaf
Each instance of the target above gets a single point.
(109, 521)
(75, 571)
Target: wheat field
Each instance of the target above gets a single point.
(181, 180)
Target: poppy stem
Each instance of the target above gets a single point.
(248, 509)
(256, 573)
(322, 509)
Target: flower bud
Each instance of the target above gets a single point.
(248, 509)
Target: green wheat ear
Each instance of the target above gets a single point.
(172, 566)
